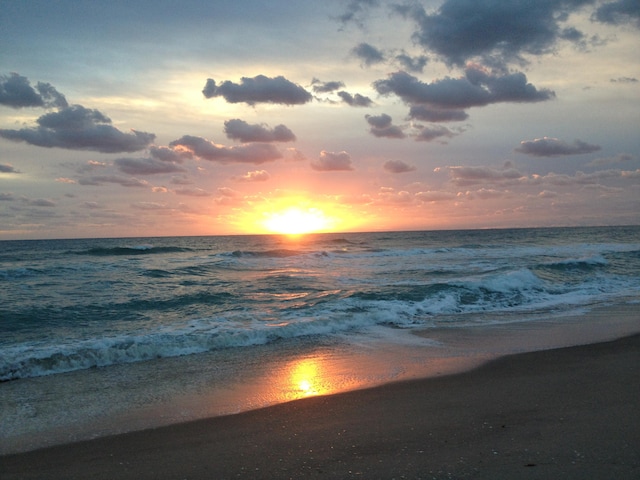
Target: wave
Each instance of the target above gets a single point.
(241, 323)
(130, 250)
(276, 253)
(447, 254)
(15, 273)
(157, 273)
(488, 292)
(584, 263)
(64, 311)
(344, 241)
(196, 337)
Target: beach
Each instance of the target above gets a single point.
(379, 355)
(560, 413)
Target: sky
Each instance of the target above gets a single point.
(212, 117)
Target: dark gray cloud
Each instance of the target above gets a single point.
(429, 133)
(356, 100)
(581, 178)
(6, 168)
(204, 149)
(75, 117)
(460, 30)
(7, 197)
(398, 166)
(98, 180)
(477, 88)
(356, 11)
(16, 92)
(332, 161)
(79, 128)
(472, 175)
(572, 34)
(552, 147)
(146, 166)
(50, 96)
(319, 86)
(382, 126)
(259, 89)
(166, 154)
(412, 64)
(379, 121)
(619, 12)
(40, 202)
(237, 129)
(619, 158)
(624, 80)
(368, 54)
(91, 205)
(436, 115)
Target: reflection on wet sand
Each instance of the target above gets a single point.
(307, 377)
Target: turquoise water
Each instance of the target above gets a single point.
(69, 305)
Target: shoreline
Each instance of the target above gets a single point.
(570, 412)
(62, 409)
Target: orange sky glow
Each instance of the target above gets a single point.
(220, 118)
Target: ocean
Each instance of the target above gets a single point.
(156, 330)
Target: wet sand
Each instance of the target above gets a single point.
(562, 413)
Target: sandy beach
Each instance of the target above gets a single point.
(562, 413)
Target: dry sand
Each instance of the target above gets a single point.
(570, 413)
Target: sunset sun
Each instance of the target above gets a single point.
(297, 221)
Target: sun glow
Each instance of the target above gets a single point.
(297, 221)
(297, 215)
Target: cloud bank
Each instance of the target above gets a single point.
(145, 166)
(259, 89)
(381, 126)
(436, 115)
(332, 161)
(494, 31)
(356, 11)
(398, 166)
(319, 86)
(552, 147)
(204, 149)
(432, 132)
(412, 64)
(356, 100)
(16, 92)
(619, 12)
(237, 129)
(477, 88)
(79, 128)
(7, 168)
(368, 54)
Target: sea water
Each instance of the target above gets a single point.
(141, 322)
